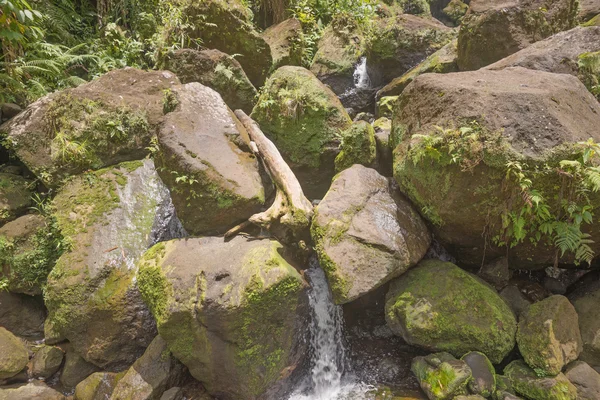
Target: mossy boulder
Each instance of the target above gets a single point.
(13, 354)
(23, 315)
(224, 25)
(109, 120)
(108, 218)
(357, 147)
(304, 119)
(218, 71)
(527, 383)
(97, 386)
(29, 248)
(286, 41)
(339, 50)
(441, 62)
(483, 381)
(438, 306)
(153, 373)
(491, 30)
(455, 11)
(441, 376)
(46, 362)
(35, 390)
(366, 233)
(586, 300)
(548, 335)
(400, 42)
(15, 196)
(75, 368)
(238, 326)
(482, 113)
(213, 182)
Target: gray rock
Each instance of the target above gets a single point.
(483, 381)
(13, 354)
(174, 393)
(585, 379)
(515, 299)
(9, 110)
(46, 362)
(34, 390)
(97, 386)
(496, 273)
(286, 41)
(15, 196)
(586, 301)
(22, 315)
(76, 369)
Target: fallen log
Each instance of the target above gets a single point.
(288, 218)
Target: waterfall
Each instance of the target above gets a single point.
(328, 355)
(361, 77)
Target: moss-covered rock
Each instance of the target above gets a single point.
(29, 248)
(441, 376)
(46, 362)
(400, 42)
(238, 326)
(455, 11)
(97, 386)
(109, 120)
(286, 41)
(75, 368)
(586, 300)
(214, 184)
(218, 71)
(491, 31)
(108, 218)
(548, 335)
(595, 21)
(438, 306)
(527, 383)
(15, 196)
(305, 119)
(358, 251)
(224, 25)
(484, 374)
(358, 146)
(13, 354)
(481, 113)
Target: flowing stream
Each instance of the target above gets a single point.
(361, 77)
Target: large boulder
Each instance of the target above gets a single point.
(286, 41)
(304, 119)
(214, 184)
(13, 354)
(441, 376)
(35, 390)
(109, 120)
(464, 136)
(585, 379)
(548, 335)
(23, 315)
(586, 300)
(224, 25)
(400, 42)
(529, 384)
(238, 326)
(366, 233)
(152, 374)
(109, 218)
(440, 307)
(15, 196)
(29, 248)
(217, 70)
(492, 30)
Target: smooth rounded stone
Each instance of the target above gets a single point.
(483, 381)
(586, 301)
(97, 386)
(22, 315)
(585, 379)
(29, 246)
(438, 306)
(515, 299)
(75, 368)
(13, 354)
(35, 390)
(110, 218)
(15, 196)
(560, 114)
(400, 42)
(226, 25)
(527, 383)
(441, 62)
(366, 233)
(46, 362)
(214, 184)
(357, 147)
(238, 326)
(441, 376)
(174, 393)
(217, 70)
(304, 119)
(548, 336)
(148, 378)
(104, 122)
(496, 273)
(492, 30)
(286, 41)
(8, 111)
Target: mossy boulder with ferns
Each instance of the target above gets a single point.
(109, 120)
(287, 43)
(239, 325)
(305, 120)
(358, 146)
(108, 219)
(464, 143)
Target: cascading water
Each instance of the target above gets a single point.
(361, 76)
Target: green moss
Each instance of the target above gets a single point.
(358, 146)
(385, 106)
(170, 101)
(593, 22)
(525, 382)
(338, 284)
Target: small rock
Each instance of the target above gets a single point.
(76, 369)
(527, 383)
(13, 354)
(586, 300)
(585, 379)
(174, 393)
(484, 374)
(554, 286)
(97, 386)
(9, 110)
(515, 299)
(46, 362)
(441, 376)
